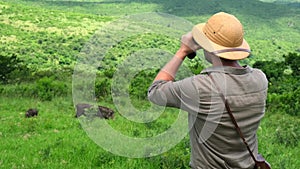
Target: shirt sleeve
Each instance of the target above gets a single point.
(180, 94)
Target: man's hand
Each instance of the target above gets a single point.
(188, 45)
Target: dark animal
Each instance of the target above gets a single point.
(31, 112)
(105, 112)
(80, 109)
(101, 111)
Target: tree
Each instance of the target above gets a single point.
(293, 60)
(7, 65)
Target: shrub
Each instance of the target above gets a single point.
(47, 88)
(140, 83)
(293, 60)
(102, 88)
(284, 90)
(273, 70)
(8, 64)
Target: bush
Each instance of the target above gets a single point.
(140, 83)
(47, 88)
(293, 60)
(284, 90)
(273, 70)
(102, 88)
(287, 102)
(8, 64)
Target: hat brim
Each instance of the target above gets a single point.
(200, 37)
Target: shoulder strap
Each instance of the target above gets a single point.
(233, 119)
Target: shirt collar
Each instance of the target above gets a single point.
(228, 70)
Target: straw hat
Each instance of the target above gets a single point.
(223, 36)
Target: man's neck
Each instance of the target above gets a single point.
(222, 62)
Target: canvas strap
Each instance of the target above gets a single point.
(231, 50)
(233, 119)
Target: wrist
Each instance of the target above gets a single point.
(181, 54)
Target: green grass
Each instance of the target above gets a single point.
(279, 140)
(55, 139)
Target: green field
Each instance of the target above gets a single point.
(42, 41)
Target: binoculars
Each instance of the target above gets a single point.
(192, 55)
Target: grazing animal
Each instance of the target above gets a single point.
(31, 112)
(105, 112)
(101, 112)
(80, 109)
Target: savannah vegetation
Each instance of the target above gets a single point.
(40, 45)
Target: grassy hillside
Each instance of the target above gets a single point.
(45, 38)
(64, 26)
(48, 35)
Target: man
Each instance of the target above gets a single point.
(214, 141)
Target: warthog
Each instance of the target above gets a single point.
(86, 109)
(31, 112)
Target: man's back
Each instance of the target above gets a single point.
(245, 91)
(214, 139)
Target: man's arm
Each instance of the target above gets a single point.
(168, 72)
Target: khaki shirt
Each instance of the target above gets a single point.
(215, 143)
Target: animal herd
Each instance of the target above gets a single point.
(82, 109)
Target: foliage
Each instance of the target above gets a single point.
(48, 88)
(140, 83)
(45, 39)
(284, 90)
(103, 87)
(45, 89)
(51, 33)
(273, 70)
(8, 66)
(293, 60)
